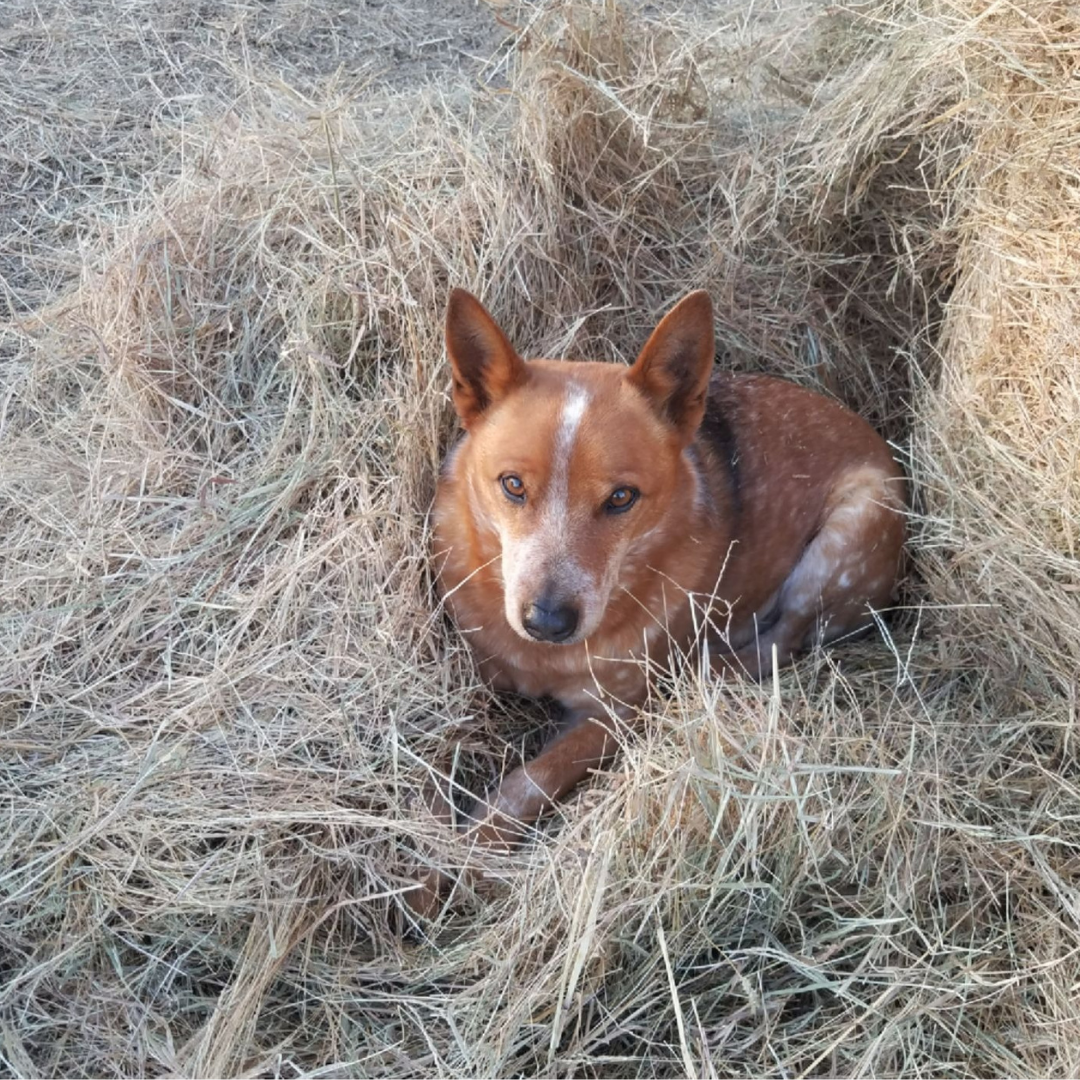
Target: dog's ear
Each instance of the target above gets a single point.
(486, 367)
(674, 367)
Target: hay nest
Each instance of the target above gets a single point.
(222, 675)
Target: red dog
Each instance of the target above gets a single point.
(590, 508)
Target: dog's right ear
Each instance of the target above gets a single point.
(486, 367)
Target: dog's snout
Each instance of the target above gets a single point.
(549, 621)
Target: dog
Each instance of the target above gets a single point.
(594, 516)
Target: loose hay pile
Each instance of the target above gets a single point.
(222, 678)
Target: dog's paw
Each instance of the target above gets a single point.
(429, 896)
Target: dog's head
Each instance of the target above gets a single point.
(576, 468)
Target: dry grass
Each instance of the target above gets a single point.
(222, 676)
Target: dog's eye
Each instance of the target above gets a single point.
(620, 500)
(513, 487)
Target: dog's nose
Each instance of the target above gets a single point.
(554, 623)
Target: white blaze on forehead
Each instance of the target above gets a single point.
(577, 398)
(577, 401)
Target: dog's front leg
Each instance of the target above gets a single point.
(586, 742)
(425, 898)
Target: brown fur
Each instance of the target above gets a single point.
(771, 507)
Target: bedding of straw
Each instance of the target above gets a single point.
(223, 673)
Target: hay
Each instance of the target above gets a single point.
(222, 675)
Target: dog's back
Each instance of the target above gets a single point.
(813, 504)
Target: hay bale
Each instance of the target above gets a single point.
(999, 435)
(946, 149)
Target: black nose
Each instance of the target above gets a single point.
(554, 623)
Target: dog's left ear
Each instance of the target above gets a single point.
(486, 367)
(674, 367)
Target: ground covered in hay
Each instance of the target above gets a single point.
(226, 237)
